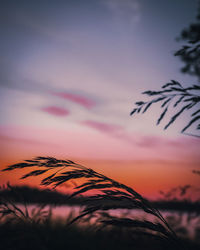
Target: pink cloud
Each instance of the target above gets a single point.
(186, 141)
(56, 111)
(178, 143)
(149, 141)
(150, 145)
(81, 100)
(103, 127)
(18, 140)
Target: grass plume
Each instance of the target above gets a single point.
(106, 194)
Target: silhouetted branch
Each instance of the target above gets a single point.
(173, 95)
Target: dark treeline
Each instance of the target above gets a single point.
(29, 195)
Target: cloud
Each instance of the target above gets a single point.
(184, 141)
(149, 141)
(179, 143)
(81, 100)
(187, 148)
(56, 111)
(12, 139)
(120, 133)
(102, 127)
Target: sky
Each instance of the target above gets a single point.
(70, 74)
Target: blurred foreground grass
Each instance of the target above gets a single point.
(55, 234)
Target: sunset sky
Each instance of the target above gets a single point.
(70, 73)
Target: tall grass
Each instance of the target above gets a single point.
(103, 194)
(20, 213)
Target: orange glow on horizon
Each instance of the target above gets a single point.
(140, 175)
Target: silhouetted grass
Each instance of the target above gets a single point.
(56, 234)
(106, 194)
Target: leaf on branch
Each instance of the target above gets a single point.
(139, 103)
(147, 106)
(162, 116)
(181, 51)
(158, 100)
(190, 123)
(193, 99)
(178, 89)
(193, 41)
(172, 83)
(179, 101)
(133, 111)
(165, 102)
(176, 116)
(150, 93)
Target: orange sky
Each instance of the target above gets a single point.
(162, 165)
